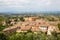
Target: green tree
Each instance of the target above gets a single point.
(18, 36)
(29, 36)
(39, 36)
(3, 36)
(58, 37)
(53, 36)
(2, 27)
(22, 19)
(2, 19)
(59, 26)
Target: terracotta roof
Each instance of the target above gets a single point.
(35, 29)
(25, 28)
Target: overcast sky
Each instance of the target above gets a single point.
(29, 5)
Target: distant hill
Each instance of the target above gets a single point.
(36, 13)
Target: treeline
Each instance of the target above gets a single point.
(30, 36)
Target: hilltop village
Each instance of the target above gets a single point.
(29, 27)
(34, 24)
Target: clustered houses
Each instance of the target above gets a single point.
(30, 18)
(12, 21)
(35, 25)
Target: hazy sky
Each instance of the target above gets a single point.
(29, 5)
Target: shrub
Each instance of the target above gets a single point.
(3, 36)
(59, 26)
(22, 19)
